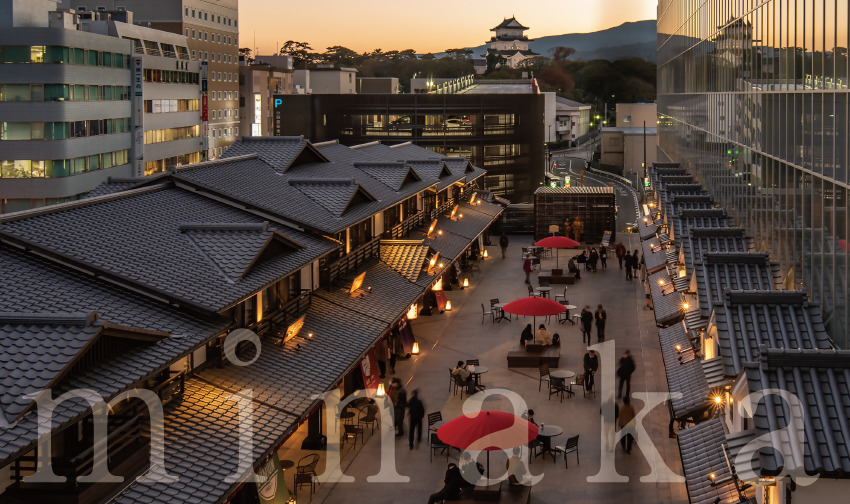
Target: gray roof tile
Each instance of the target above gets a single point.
(709, 240)
(666, 301)
(684, 372)
(655, 255)
(719, 272)
(701, 447)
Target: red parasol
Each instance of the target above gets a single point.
(487, 431)
(557, 242)
(534, 306)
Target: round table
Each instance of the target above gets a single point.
(567, 314)
(563, 374)
(436, 425)
(499, 306)
(544, 291)
(570, 307)
(479, 370)
(546, 433)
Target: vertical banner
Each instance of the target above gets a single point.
(405, 333)
(139, 117)
(441, 299)
(371, 375)
(271, 486)
(205, 127)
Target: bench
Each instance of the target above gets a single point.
(513, 494)
(556, 277)
(534, 356)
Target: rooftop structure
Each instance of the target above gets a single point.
(510, 43)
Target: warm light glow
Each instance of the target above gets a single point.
(381, 390)
(454, 212)
(440, 265)
(358, 281)
(413, 312)
(661, 282)
(460, 216)
(440, 232)
(431, 227)
(439, 285)
(651, 204)
(644, 220)
(310, 335)
(682, 273)
(712, 476)
(448, 306)
(415, 349)
(433, 261)
(678, 347)
(485, 253)
(686, 306)
(466, 282)
(293, 329)
(718, 400)
(472, 199)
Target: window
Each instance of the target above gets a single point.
(193, 13)
(187, 12)
(219, 38)
(206, 34)
(193, 34)
(206, 16)
(187, 33)
(193, 54)
(206, 56)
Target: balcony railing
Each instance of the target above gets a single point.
(353, 260)
(276, 321)
(443, 209)
(404, 228)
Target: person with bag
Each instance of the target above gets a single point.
(603, 257)
(591, 366)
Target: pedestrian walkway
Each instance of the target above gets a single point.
(447, 338)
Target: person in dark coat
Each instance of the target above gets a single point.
(527, 335)
(601, 316)
(603, 257)
(624, 416)
(627, 260)
(635, 263)
(452, 486)
(415, 414)
(586, 323)
(591, 366)
(624, 373)
(592, 259)
(620, 251)
(398, 396)
(503, 242)
(573, 268)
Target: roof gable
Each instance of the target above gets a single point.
(393, 175)
(336, 196)
(407, 257)
(234, 248)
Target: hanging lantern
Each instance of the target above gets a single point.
(382, 392)
(415, 349)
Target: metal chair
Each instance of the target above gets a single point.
(305, 473)
(433, 418)
(352, 431)
(460, 385)
(571, 446)
(369, 416)
(557, 386)
(544, 376)
(530, 290)
(562, 298)
(485, 312)
(436, 444)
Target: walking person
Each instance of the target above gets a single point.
(601, 316)
(642, 269)
(620, 252)
(635, 263)
(591, 366)
(603, 257)
(395, 347)
(609, 410)
(503, 243)
(586, 323)
(526, 266)
(415, 414)
(382, 352)
(398, 396)
(626, 414)
(593, 259)
(624, 373)
(628, 262)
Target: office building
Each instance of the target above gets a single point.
(65, 106)
(573, 120)
(753, 103)
(630, 115)
(211, 28)
(498, 125)
(259, 81)
(326, 79)
(626, 149)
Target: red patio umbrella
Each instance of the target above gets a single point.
(534, 306)
(557, 242)
(487, 431)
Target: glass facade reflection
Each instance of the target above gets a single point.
(753, 100)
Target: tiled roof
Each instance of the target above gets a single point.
(647, 228)
(666, 307)
(682, 226)
(34, 353)
(654, 255)
(33, 284)
(722, 271)
(509, 23)
(702, 450)
(393, 175)
(137, 237)
(684, 372)
(777, 319)
(405, 257)
(334, 195)
(203, 443)
(277, 152)
(709, 239)
(820, 381)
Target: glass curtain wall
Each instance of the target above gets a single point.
(753, 99)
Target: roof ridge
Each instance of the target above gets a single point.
(364, 145)
(216, 162)
(772, 297)
(321, 180)
(82, 319)
(50, 209)
(224, 226)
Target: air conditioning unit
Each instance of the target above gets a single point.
(81, 8)
(100, 8)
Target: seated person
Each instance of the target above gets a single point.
(517, 470)
(556, 339)
(529, 415)
(527, 335)
(461, 374)
(452, 486)
(543, 336)
(573, 268)
(471, 470)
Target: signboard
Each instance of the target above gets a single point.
(204, 107)
(139, 151)
(441, 299)
(139, 117)
(405, 334)
(278, 115)
(646, 182)
(258, 108)
(371, 374)
(271, 486)
(138, 76)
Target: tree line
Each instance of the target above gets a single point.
(594, 82)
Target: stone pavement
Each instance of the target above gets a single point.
(459, 335)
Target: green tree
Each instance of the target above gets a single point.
(300, 52)
(495, 61)
(339, 56)
(245, 54)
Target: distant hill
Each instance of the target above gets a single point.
(629, 40)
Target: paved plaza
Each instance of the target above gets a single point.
(460, 335)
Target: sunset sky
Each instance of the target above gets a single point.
(426, 26)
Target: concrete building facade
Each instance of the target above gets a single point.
(632, 115)
(258, 83)
(573, 119)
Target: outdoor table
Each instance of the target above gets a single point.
(564, 374)
(545, 434)
(436, 425)
(567, 313)
(476, 372)
(501, 316)
(544, 291)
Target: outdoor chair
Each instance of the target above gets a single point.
(460, 385)
(562, 298)
(571, 446)
(351, 431)
(544, 376)
(452, 382)
(369, 416)
(530, 290)
(580, 383)
(557, 386)
(494, 302)
(433, 418)
(436, 444)
(485, 312)
(305, 473)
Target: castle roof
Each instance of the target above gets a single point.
(511, 23)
